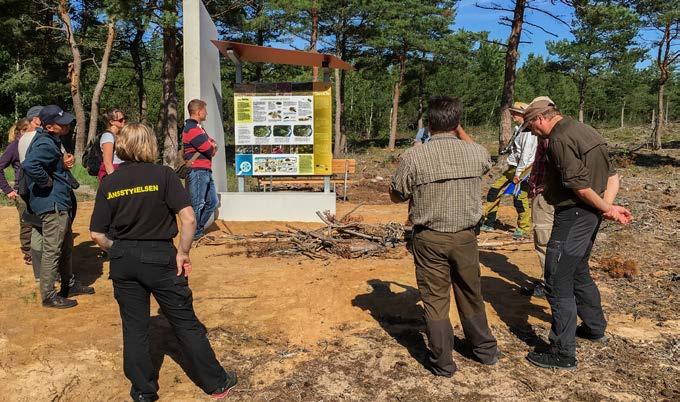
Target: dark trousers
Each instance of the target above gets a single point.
(57, 248)
(444, 260)
(570, 290)
(141, 268)
(24, 227)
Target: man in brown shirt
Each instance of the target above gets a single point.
(580, 182)
(441, 179)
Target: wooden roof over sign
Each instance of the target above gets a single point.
(264, 54)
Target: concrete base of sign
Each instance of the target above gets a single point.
(276, 206)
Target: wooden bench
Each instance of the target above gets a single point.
(340, 171)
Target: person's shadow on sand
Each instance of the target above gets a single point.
(163, 342)
(398, 314)
(402, 318)
(511, 301)
(88, 262)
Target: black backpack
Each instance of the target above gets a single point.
(93, 157)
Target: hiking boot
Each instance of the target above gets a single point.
(584, 333)
(57, 301)
(519, 234)
(552, 360)
(223, 391)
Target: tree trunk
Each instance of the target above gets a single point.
(16, 96)
(74, 77)
(511, 55)
(314, 12)
(653, 119)
(370, 122)
(169, 114)
(581, 99)
(659, 126)
(139, 74)
(259, 39)
(337, 147)
(623, 112)
(395, 103)
(103, 70)
(663, 61)
(421, 94)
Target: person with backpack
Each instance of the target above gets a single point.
(115, 120)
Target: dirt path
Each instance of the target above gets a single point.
(297, 329)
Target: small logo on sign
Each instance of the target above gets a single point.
(245, 167)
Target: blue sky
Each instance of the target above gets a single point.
(472, 18)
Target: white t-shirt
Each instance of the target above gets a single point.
(108, 137)
(24, 142)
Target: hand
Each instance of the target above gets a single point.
(619, 214)
(69, 161)
(12, 195)
(183, 264)
(515, 179)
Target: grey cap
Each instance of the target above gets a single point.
(33, 112)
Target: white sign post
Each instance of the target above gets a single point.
(202, 78)
(202, 81)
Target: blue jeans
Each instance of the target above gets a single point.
(203, 196)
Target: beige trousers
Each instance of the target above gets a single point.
(542, 217)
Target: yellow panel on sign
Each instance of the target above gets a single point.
(244, 109)
(323, 131)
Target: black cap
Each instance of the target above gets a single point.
(53, 114)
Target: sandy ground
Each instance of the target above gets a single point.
(297, 329)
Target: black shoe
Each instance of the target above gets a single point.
(539, 290)
(74, 288)
(552, 360)
(494, 359)
(584, 333)
(223, 391)
(57, 301)
(142, 398)
(79, 289)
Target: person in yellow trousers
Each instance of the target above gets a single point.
(522, 151)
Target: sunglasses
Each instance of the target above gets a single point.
(121, 120)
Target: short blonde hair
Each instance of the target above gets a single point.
(136, 142)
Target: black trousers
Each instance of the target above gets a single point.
(570, 289)
(141, 268)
